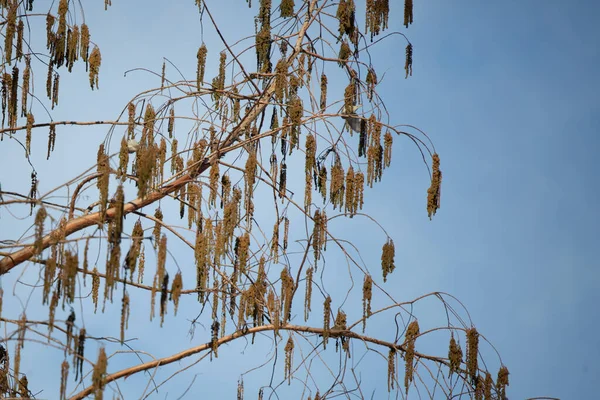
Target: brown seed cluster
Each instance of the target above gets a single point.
(367, 295)
(323, 99)
(326, 318)
(434, 191)
(387, 258)
(99, 374)
(336, 185)
(502, 382)
(374, 151)
(308, 294)
(289, 352)
(472, 351)
(377, 16)
(391, 369)
(319, 237)
(408, 12)
(455, 355)
(409, 60)
(411, 335)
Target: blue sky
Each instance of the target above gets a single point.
(508, 92)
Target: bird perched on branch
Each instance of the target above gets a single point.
(353, 120)
(132, 145)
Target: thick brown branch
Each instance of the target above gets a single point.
(207, 346)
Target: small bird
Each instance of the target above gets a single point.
(132, 145)
(353, 120)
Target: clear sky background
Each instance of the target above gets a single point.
(507, 92)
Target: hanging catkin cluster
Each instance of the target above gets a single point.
(434, 191)
(336, 186)
(289, 352)
(387, 258)
(374, 152)
(355, 183)
(391, 369)
(472, 350)
(287, 291)
(345, 15)
(455, 355)
(310, 169)
(411, 335)
(319, 237)
(367, 295)
(263, 37)
(377, 16)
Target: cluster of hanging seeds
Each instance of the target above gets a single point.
(346, 15)
(287, 292)
(434, 191)
(308, 293)
(125, 311)
(502, 382)
(336, 185)
(355, 183)
(387, 258)
(319, 236)
(367, 295)
(472, 350)
(408, 12)
(289, 352)
(103, 170)
(310, 169)
(326, 318)
(411, 335)
(455, 355)
(374, 151)
(263, 37)
(377, 16)
(99, 374)
(391, 369)
(409, 60)
(218, 82)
